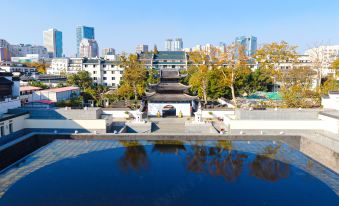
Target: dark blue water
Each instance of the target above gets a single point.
(170, 174)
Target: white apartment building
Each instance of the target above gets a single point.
(17, 68)
(103, 72)
(324, 55)
(27, 58)
(25, 49)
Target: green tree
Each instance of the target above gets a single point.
(35, 83)
(199, 78)
(81, 79)
(134, 75)
(233, 65)
(40, 67)
(152, 76)
(335, 67)
(199, 81)
(155, 50)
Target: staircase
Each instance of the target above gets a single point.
(168, 125)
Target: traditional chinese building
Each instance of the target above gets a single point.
(169, 97)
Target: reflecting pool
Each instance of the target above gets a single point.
(74, 172)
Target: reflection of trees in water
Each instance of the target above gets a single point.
(265, 167)
(168, 146)
(216, 161)
(135, 156)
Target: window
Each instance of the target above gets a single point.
(2, 131)
(85, 65)
(10, 127)
(104, 78)
(113, 78)
(94, 72)
(105, 72)
(94, 66)
(104, 66)
(113, 84)
(94, 78)
(112, 72)
(173, 66)
(121, 72)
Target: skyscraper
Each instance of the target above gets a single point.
(107, 51)
(141, 48)
(83, 32)
(178, 44)
(168, 44)
(53, 42)
(249, 42)
(88, 48)
(174, 45)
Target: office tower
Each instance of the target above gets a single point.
(88, 48)
(53, 42)
(108, 51)
(174, 45)
(249, 42)
(168, 44)
(178, 45)
(83, 32)
(141, 48)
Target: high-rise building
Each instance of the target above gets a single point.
(53, 42)
(249, 42)
(141, 48)
(89, 48)
(108, 51)
(83, 32)
(174, 45)
(4, 54)
(168, 44)
(178, 44)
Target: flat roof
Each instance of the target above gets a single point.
(62, 89)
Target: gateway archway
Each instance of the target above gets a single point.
(169, 111)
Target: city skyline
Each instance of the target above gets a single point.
(128, 26)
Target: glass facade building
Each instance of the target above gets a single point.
(83, 32)
(53, 42)
(58, 44)
(249, 42)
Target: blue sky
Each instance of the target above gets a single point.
(122, 24)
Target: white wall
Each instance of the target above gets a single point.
(99, 124)
(216, 113)
(9, 104)
(154, 108)
(275, 124)
(17, 122)
(120, 113)
(331, 103)
(330, 124)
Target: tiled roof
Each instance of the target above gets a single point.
(177, 55)
(156, 97)
(170, 55)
